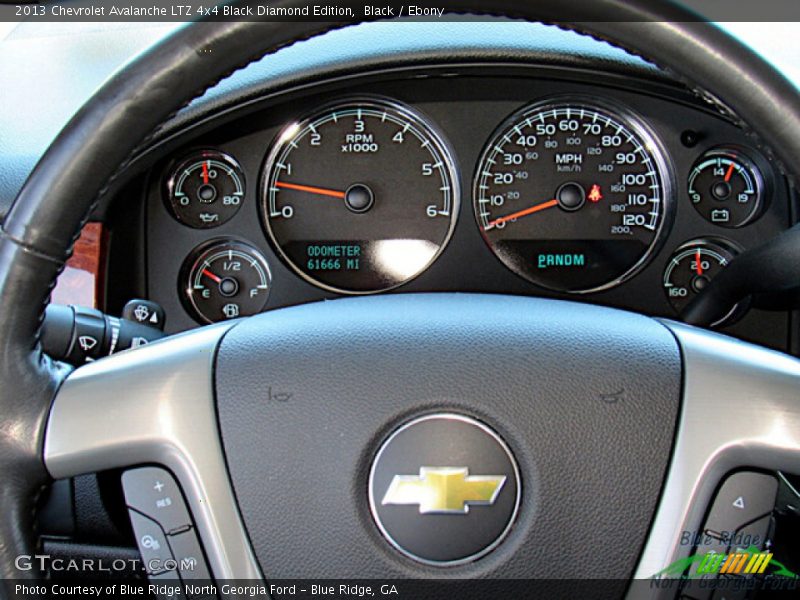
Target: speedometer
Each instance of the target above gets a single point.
(572, 195)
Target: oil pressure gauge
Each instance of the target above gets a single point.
(692, 267)
(225, 279)
(205, 190)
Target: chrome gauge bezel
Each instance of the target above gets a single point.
(290, 131)
(712, 245)
(202, 253)
(735, 155)
(620, 113)
(176, 174)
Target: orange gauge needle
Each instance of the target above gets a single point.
(205, 173)
(729, 173)
(309, 189)
(698, 262)
(522, 213)
(211, 276)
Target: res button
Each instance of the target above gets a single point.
(154, 492)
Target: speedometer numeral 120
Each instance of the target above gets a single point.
(572, 195)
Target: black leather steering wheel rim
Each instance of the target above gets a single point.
(90, 155)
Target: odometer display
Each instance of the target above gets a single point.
(361, 197)
(571, 196)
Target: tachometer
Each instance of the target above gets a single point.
(361, 197)
(572, 195)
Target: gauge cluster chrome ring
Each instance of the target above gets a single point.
(413, 115)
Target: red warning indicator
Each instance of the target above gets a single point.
(594, 194)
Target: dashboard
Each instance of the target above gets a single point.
(481, 161)
(562, 183)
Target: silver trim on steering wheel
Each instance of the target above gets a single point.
(156, 405)
(741, 408)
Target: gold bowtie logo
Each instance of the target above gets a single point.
(448, 490)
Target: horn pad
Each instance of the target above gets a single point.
(585, 398)
(444, 489)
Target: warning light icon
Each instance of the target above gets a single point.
(594, 194)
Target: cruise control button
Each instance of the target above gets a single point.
(155, 493)
(187, 551)
(744, 497)
(152, 543)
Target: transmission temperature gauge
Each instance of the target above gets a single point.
(225, 279)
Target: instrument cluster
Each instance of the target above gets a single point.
(571, 194)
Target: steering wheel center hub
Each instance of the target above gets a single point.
(352, 422)
(444, 489)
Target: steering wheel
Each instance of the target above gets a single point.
(287, 431)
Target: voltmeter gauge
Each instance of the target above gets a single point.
(726, 188)
(225, 279)
(205, 190)
(692, 267)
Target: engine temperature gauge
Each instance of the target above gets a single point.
(225, 279)
(692, 267)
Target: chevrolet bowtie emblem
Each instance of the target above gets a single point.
(447, 490)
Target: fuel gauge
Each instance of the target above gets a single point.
(225, 279)
(692, 267)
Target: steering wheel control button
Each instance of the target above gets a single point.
(144, 312)
(758, 533)
(444, 489)
(189, 556)
(744, 497)
(152, 544)
(154, 492)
